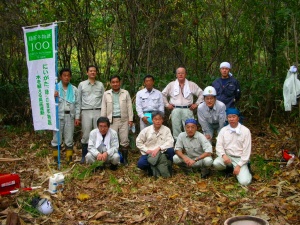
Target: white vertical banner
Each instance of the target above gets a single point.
(40, 55)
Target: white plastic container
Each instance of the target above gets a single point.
(56, 183)
(132, 128)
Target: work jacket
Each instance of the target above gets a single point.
(125, 105)
(230, 93)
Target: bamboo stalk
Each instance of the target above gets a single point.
(10, 159)
(43, 24)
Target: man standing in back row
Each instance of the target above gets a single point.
(117, 106)
(90, 94)
(227, 87)
(68, 112)
(181, 93)
(148, 100)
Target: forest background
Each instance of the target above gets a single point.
(132, 38)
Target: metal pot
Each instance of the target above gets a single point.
(245, 220)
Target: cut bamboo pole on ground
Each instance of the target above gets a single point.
(10, 159)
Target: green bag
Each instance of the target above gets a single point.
(159, 165)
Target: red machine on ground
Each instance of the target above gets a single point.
(9, 182)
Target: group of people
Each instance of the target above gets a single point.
(106, 115)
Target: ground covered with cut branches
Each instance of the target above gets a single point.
(128, 196)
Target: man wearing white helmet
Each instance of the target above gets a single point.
(227, 87)
(211, 113)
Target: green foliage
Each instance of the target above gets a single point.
(274, 129)
(43, 153)
(20, 152)
(263, 168)
(26, 205)
(115, 184)
(34, 147)
(132, 139)
(242, 192)
(234, 192)
(80, 172)
(3, 142)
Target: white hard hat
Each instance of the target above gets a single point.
(44, 206)
(209, 91)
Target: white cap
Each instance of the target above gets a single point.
(209, 91)
(225, 64)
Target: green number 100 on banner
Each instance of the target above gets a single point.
(39, 44)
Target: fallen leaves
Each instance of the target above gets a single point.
(233, 203)
(128, 196)
(137, 218)
(173, 196)
(83, 197)
(70, 215)
(229, 187)
(101, 214)
(202, 185)
(183, 216)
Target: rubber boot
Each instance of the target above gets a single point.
(55, 155)
(186, 169)
(229, 171)
(69, 154)
(249, 167)
(170, 167)
(84, 152)
(124, 152)
(205, 172)
(149, 171)
(113, 167)
(55, 152)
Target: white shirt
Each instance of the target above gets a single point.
(113, 146)
(179, 100)
(149, 101)
(234, 143)
(148, 139)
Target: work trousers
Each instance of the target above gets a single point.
(206, 162)
(89, 119)
(142, 124)
(143, 160)
(211, 128)
(244, 177)
(114, 159)
(121, 127)
(66, 130)
(179, 116)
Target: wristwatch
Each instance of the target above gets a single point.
(197, 159)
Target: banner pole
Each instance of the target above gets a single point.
(43, 24)
(57, 97)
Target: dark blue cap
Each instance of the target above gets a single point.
(232, 111)
(191, 121)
